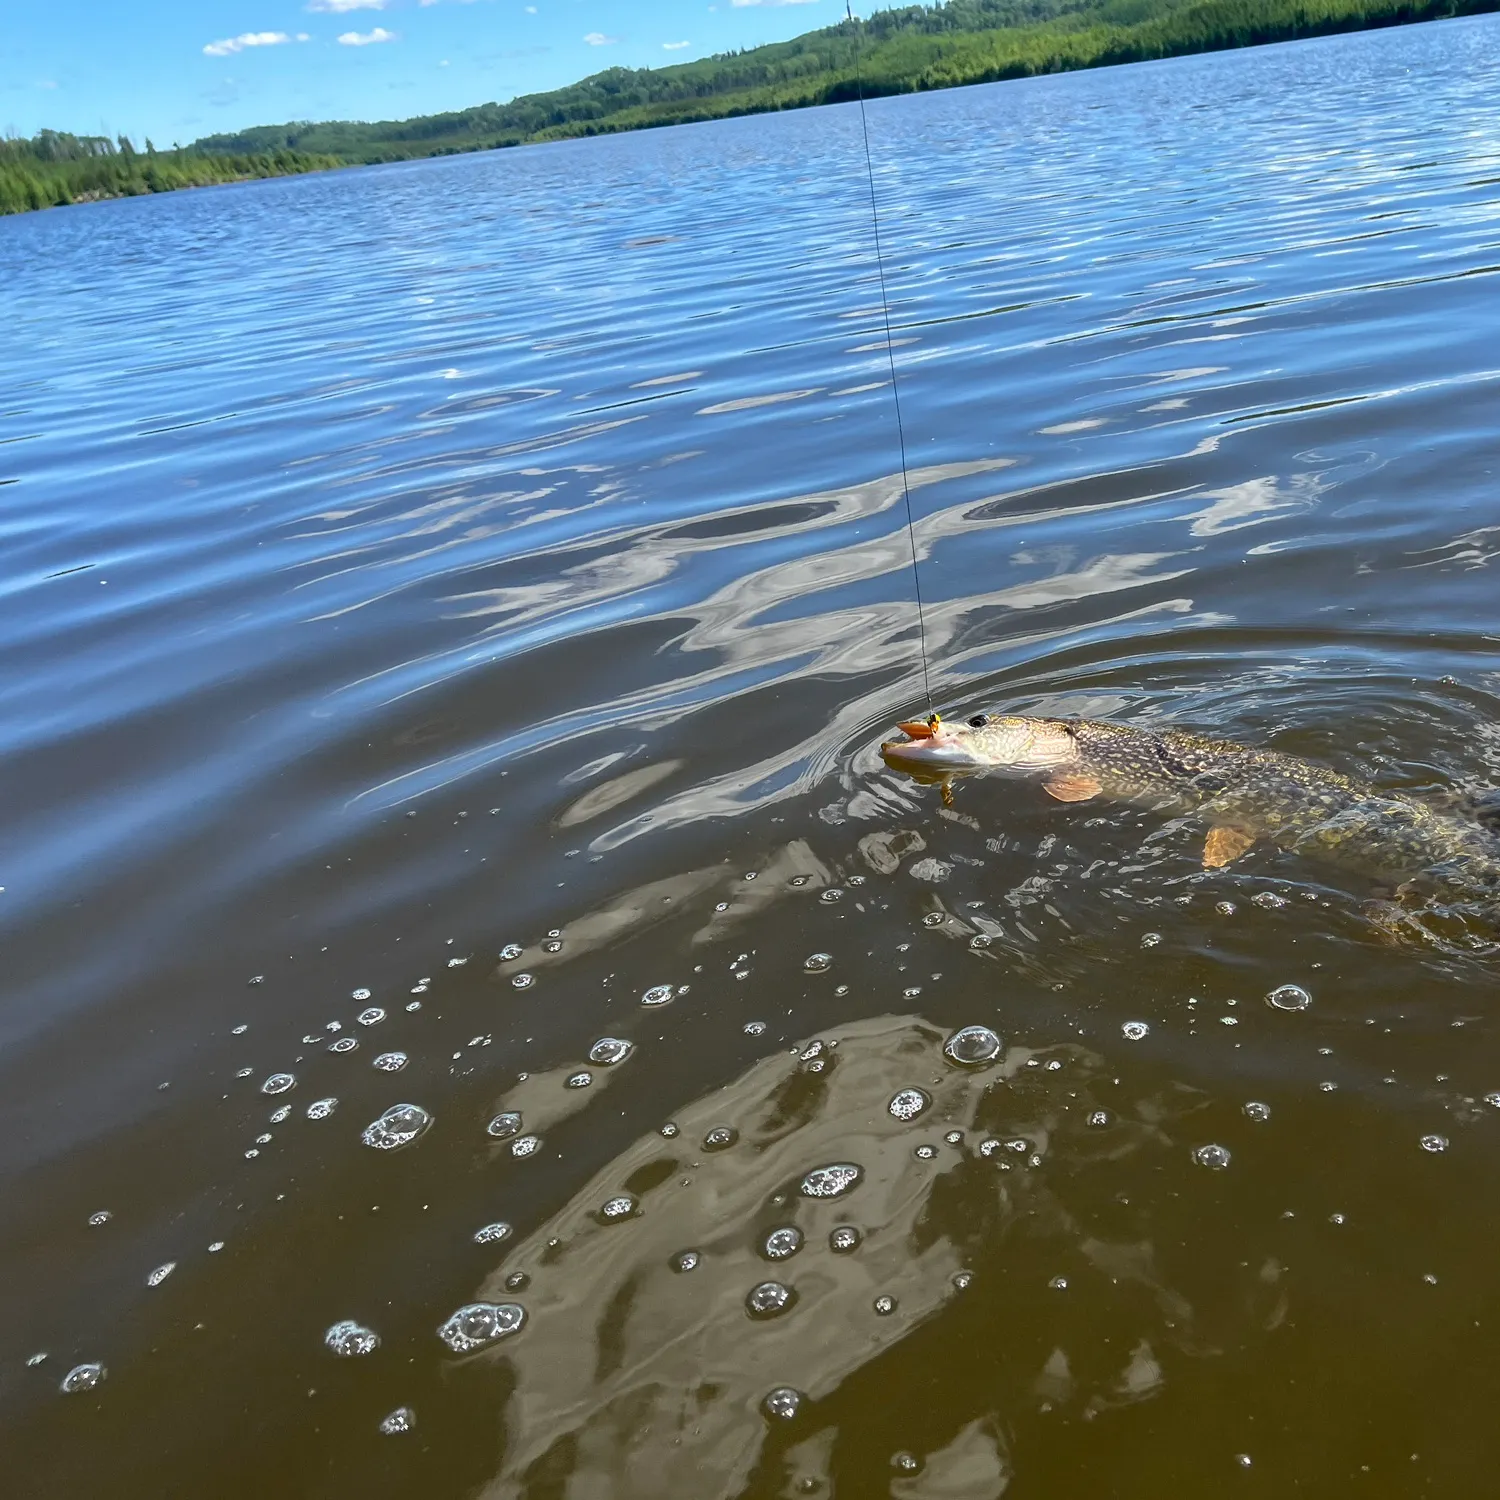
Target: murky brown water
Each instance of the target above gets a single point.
(405, 564)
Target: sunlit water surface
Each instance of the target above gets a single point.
(403, 564)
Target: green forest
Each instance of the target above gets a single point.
(897, 51)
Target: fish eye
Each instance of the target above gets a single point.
(979, 721)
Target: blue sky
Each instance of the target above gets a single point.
(178, 69)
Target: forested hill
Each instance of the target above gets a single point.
(895, 51)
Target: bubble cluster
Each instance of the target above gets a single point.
(390, 1062)
(525, 1145)
(831, 1181)
(399, 1126)
(481, 1323)
(347, 1339)
(621, 1207)
(278, 1083)
(492, 1234)
(782, 1243)
(403, 1419)
(609, 1050)
(972, 1047)
(320, 1109)
(769, 1299)
(1135, 1031)
(907, 1104)
(884, 1306)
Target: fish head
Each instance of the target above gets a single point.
(985, 742)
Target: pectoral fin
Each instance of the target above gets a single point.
(1224, 845)
(1072, 788)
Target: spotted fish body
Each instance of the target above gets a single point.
(1244, 794)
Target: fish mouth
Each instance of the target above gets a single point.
(928, 746)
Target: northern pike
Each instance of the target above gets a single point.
(1244, 795)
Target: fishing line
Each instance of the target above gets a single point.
(885, 308)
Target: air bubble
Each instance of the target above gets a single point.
(783, 1242)
(360, 994)
(1098, 1119)
(390, 1062)
(344, 1044)
(972, 1047)
(818, 963)
(1289, 997)
(884, 1306)
(832, 894)
(403, 1419)
(481, 1323)
(609, 1050)
(669, 1130)
(517, 1281)
(492, 1234)
(82, 1378)
(458, 963)
(831, 1181)
(1135, 1031)
(372, 1017)
(844, 1238)
(754, 1028)
(1269, 900)
(769, 1300)
(102, 1217)
(720, 1138)
(523, 981)
(280, 1116)
(686, 1261)
(506, 1124)
(954, 1137)
(400, 1125)
(578, 1080)
(320, 1109)
(783, 1403)
(510, 952)
(348, 1339)
(1215, 1157)
(278, 1083)
(934, 919)
(906, 1463)
(962, 1280)
(908, 1104)
(161, 1273)
(1434, 1143)
(1257, 1111)
(615, 1209)
(925, 1153)
(980, 941)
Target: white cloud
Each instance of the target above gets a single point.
(598, 39)
(531, 10)
(676, 46)
(366, 38)
(233, 44)
(342, 7)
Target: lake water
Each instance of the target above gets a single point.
(401, 564)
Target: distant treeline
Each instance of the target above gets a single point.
(894, 52)
(52, 168)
